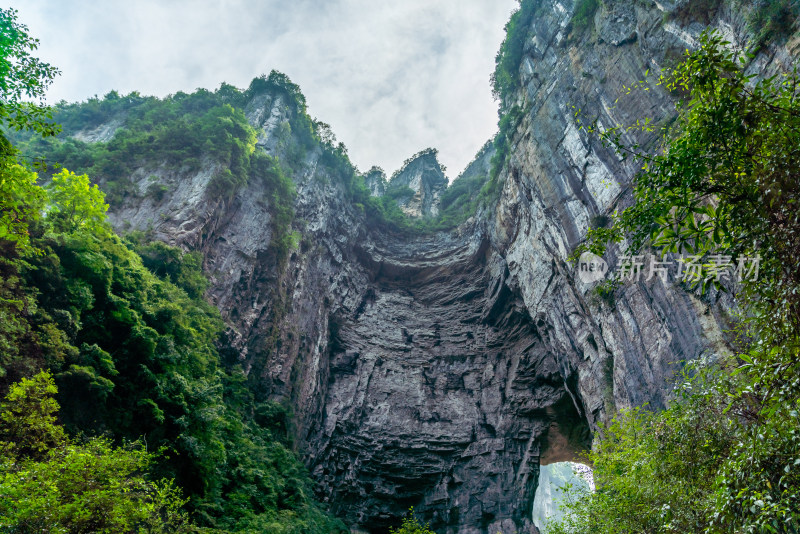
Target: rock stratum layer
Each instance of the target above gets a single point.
(440, 371)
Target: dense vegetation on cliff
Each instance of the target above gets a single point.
(187, 131)
(130, 350)
(724, 457)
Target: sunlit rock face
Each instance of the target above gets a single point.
(440, 371)
(375, 180)
(423, 176)
(100, 134)
(558, 483)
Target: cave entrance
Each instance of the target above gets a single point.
(562, 471)
(552, 490)
(568, 435)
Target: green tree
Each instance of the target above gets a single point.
(411, 525)
(52, 484)
(505, 77)
(76, 204)
(134, 355)
(23, 81)
(725, 179)
(21, 203)
(28, 418)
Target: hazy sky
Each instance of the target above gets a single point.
(391, 78)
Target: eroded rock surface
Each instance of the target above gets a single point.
(441, 371)
(424, 177)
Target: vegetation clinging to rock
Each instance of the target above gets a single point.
(132, 349)
(725, 455)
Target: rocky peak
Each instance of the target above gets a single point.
(266, 112)
(375, 180)
(424, 176)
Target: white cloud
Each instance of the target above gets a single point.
(390, 77)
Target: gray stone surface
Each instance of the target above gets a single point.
(375, 180)
(99, 134)
(424, 176)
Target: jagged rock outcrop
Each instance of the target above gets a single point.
(424, 177)
(375, 180)
(100, 134)
(441, 371)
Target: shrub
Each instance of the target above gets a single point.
(773, 20)
(411, 525)
(583, 16)
(723, 456)
(506, 73)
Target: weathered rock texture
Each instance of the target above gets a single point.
(424, 177)
(441, 371)
(375, 180)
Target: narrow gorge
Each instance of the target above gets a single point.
(440, 367)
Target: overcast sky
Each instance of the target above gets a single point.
(391, 78)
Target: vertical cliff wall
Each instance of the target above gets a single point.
(441, 370)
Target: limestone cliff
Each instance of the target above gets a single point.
(441, 370)
(375, 180)
(424, 179)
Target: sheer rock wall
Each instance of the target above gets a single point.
(440, 371)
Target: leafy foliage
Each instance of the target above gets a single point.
(282, 193)
(180, 131)
(411, 525)
(27, 418)
(460, 200)
(505, 78)
(724, 457)
(21, 202)
(50, 483)
(509, 121)
(190, 130)
(141, 352)
(583, 15)
(76, 204)
(714, 461)
(23, 81)
(185, 131)
(184, 269)
(134, 355)
(727, 180)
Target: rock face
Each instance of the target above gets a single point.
(441, 371)
(423, 175)
(375, 180)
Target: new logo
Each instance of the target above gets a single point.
(591, 268)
